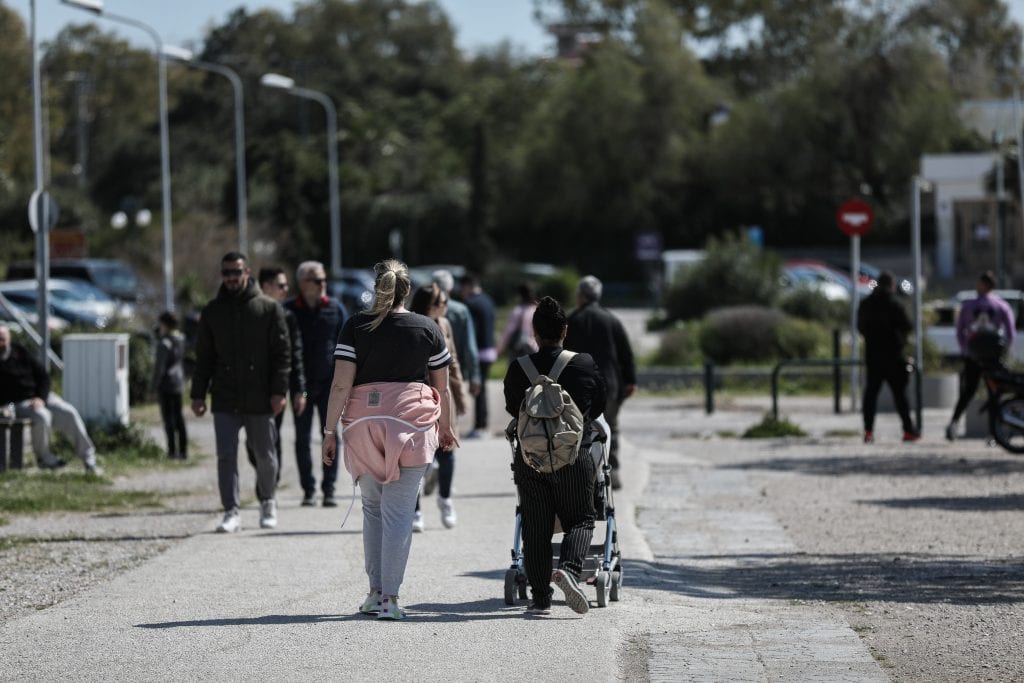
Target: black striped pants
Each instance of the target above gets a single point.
(568, 493)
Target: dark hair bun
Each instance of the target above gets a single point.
(549, 319)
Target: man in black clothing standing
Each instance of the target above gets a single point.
(885, 326)
(481, 310)
(569, 492)
(595, 330)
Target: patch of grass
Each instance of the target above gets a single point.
(842, 432)
(29, 492)
(769, 427)
(727, 434)
(121, 448)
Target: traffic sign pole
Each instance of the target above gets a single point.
(855, 217)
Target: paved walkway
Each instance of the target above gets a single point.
(280, 605)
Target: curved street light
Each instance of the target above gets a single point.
(272, 80)
(187, 57)
(96, 7)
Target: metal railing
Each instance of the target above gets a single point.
(26, 326)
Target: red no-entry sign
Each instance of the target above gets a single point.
(855, 217)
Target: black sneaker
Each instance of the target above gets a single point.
(538, 609)
(951, 431)
(54, 464)
(308, 500)
(330, 502)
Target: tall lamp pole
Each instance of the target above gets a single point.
(96, 7)
(39, 199)
(917, 186)
(287, 84)
(187, 57)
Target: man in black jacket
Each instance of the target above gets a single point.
(26, 383)
(595, 330)
(569, 492)
(242, 360)
(885, 326)
(320, 318)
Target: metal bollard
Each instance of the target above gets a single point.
(709, 387)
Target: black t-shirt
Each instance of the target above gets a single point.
(403, 348)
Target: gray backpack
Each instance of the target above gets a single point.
(550, 425)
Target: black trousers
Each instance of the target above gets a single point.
(894, 373)
(174, 424)
(480, 404)
(569, 494)
(970, 376)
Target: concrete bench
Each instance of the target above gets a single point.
(12, 442)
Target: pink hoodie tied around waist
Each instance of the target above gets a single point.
(399, 429)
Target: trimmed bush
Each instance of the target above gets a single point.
(740, 333)
(679, 345)
(808, 304)
(734, 272)
(796, 338)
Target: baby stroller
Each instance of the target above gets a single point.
(602, 567)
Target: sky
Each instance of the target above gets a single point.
(479, 23)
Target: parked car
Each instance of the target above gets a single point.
(54, 322)
(868, 278)
(76, 301)
(354, 289)
(817, 276)
(116, 278)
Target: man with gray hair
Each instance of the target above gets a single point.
(595, 330)
(320, 318)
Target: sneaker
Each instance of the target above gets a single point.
(51, 464)
(230, 524)
(448, 517)
(371, 605)
(616, 482)
(93, 469)
(268, 514)
(911, 436)
(474, 434)
(417, 521)
(430, 481)
(951, 431)
(538, 609)
(330, 501)
(869, 437)
(389, 609)
(308, 500)
(574, 595)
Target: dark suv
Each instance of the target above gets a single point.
(114, 277)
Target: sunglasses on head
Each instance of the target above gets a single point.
(229, 272)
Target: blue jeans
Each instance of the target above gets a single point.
(303, 457)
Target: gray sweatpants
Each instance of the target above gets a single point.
(388, 510)
(60, 415)
(259, 433)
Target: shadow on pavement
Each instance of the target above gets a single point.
(917, 464)
(963, 503)
(268, 620)
(872, 577)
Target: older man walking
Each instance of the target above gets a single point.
(595, 330)
(242, 359)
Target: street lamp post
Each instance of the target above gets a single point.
(184, 56)
(43, 220)
(917, 186)
(271, 80)
(96, 7)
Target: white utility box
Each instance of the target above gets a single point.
(96, 376)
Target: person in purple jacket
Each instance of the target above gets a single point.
(985, 311)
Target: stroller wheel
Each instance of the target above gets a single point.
(603, 584)
(510, 586)
(616, 590)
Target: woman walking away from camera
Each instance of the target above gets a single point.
(569, 492)
(168, 383)
(390, 391)
(517, 339)
(432, 302)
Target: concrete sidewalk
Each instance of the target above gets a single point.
(281, 604)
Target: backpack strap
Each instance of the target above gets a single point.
(529, 368)
(563, 359)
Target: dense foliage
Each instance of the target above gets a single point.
(684, 118)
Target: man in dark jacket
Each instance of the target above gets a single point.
(595, 330)
(26, 383)
(320, 319)
(242, 360)
(569, 492)
(885, 326)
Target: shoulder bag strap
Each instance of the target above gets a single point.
(563, 359)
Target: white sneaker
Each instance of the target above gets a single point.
(231, 523)
(448, 517)
(268, 514)
(417, 521)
